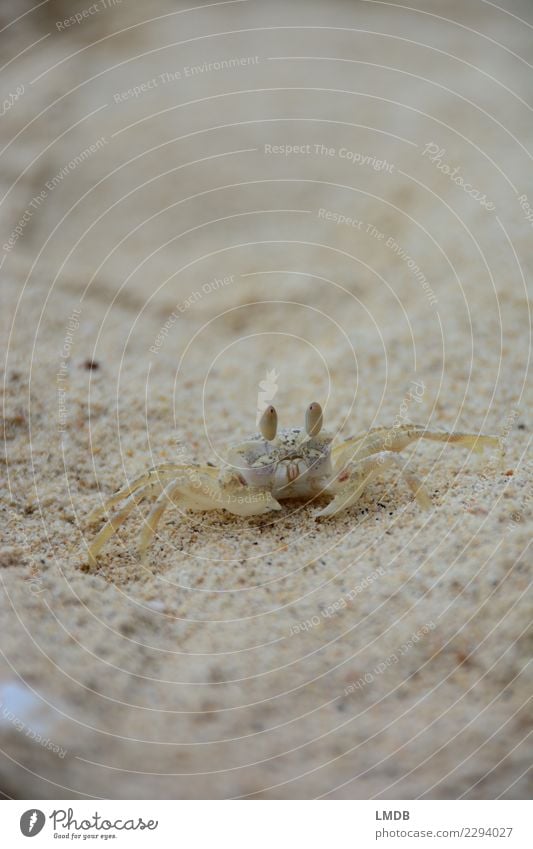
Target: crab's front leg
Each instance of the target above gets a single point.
(236, 496)
(350, 482)
(197, 491)
(190, 488)
(150, 480)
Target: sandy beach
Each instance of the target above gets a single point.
(205, 210)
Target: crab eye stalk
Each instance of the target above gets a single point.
(268, 424)
(313, 419)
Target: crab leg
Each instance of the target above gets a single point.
(152, 477)
(231, 495)
(397, 438)
(164, 499)
(416, 486)
(192, 495)
(352, 482)
(348, 495)
(115, 522)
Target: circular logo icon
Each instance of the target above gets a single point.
(32, 822)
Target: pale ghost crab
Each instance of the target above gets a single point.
(272, 466)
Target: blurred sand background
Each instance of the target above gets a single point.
(228, 667)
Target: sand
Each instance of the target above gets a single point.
(198, 216)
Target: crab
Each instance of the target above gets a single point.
(276, 465)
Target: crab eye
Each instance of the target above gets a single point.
(313, 419)
(268, 424)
